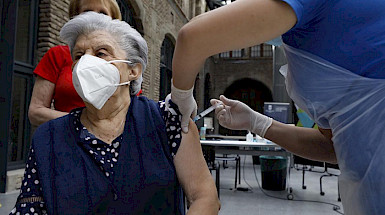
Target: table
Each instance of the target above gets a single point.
(246, 148)
(252, 148)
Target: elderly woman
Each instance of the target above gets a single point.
(121, 154)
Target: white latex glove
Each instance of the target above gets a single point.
(236, 115)
(186, 104)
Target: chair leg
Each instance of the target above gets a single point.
(236, 174)
(303, 178)
(217, 180)
(320, 185)
(225, 162)
(239, 170)
(339, 195)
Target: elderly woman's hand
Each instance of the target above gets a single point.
(186, 104)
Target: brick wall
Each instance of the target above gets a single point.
(52, 16)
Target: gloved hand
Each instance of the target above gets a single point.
(236, 115)
(186, 104)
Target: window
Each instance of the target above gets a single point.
(262, 50)
(267, 50)
(258, 51)
(20, 128)
(166, 55)
(23, 40)
(224, 55)
(127, 13)
(255, 51)
(239, 53)
(17, 148)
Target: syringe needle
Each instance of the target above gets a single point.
(205, 112)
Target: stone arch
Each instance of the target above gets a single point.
(170, 37)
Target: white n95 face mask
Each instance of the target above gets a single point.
(95, 79)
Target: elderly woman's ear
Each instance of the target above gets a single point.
(135, 71)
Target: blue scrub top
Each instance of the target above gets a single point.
(350, 34)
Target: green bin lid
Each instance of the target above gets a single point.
(272, 163)
(272, 157)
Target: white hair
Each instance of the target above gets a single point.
(127, 38)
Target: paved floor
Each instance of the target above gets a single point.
(257, 201)
(254, 201)
(7, 201)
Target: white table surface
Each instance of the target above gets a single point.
(237, 143)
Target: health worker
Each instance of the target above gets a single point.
(336, 69)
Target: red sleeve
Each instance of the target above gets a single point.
(52, 63)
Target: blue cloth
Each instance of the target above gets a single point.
(350, 34)
(144, 179)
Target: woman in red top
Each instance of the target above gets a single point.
(53, 94)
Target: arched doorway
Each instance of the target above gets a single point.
(207, 91)
(251, 92)
(166, 55)
(130, 15)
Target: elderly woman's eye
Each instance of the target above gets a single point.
(100, 54)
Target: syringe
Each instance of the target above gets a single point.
(205, 112)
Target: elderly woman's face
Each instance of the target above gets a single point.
(101, 44)
(98, 6)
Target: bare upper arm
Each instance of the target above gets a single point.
(327, 133)
(191, 166)
(40, 107)
(42, 94)
(240, 24)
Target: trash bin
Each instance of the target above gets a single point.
(273, 171)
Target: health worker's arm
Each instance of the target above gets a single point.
(40, 107)
(238, 25)
(306, 142)
(194, 175)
